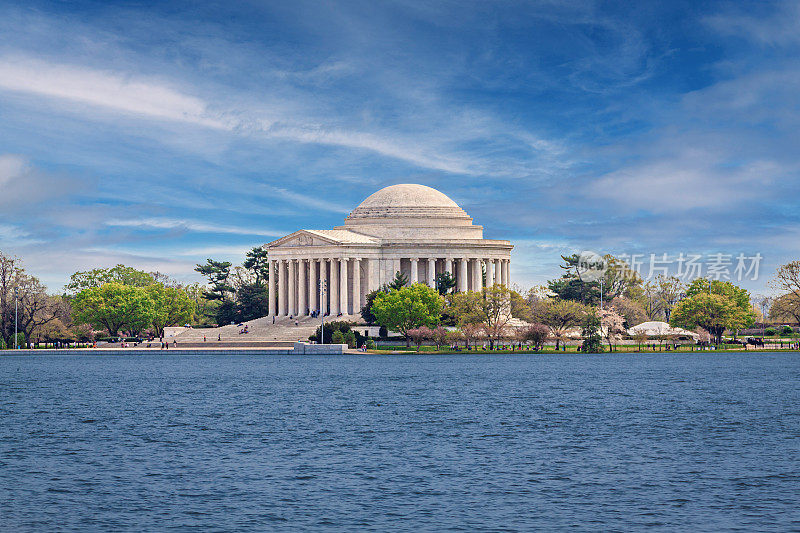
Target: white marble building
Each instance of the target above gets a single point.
(412, 229)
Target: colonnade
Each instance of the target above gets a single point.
(294, 284)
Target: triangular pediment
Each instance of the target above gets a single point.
(302, 238)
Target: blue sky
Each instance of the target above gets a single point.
(157, 135)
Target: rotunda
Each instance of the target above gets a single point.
(407, 228)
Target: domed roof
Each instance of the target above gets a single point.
(408, 200)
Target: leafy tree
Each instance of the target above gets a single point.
(114, 307)
(170, 307)
(559, 316)
(400, 280)
(257, 261)
(252, 301)
(618, 280)
(366, 311)
(714, 306)
(124, 275)
(337, 325)
(337, 337)
(217, 273)
(630, 310)
(407, 308)
(669, 291)
(787, 306)
(491, 308)
(592, 341)
(445, 282)
(35, 308)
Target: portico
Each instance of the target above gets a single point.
(412, 229)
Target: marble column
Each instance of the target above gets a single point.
(344, 303)
(414, 270)
(368, 277)
(498, 276)
(271, 288)
(508, 272)
(462, 275)
(448, 266)
(333, 284)
(357, 286)
(292, 279)
(281, 287)
(489, 272)
(302, 291)
(432, 273)
(323, 278)
(313, 288)
(477, 275)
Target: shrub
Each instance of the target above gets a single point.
(383, 332)
(337, 337)
(770, 332)
(370, 344)
(786, 330)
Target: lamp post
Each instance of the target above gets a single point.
(601, 293)
(323, 286)
(16, 317)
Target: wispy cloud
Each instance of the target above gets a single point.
(189, 225)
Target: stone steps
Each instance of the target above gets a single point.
(259, 330)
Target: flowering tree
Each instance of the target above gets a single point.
(536, 334)
(703, 336)
(469, 332)
(439, 336)
(612, 327)
(419, 335)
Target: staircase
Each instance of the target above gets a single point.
(261, 332)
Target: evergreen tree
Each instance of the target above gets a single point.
(593, 342)
(400, 281)
(445, 282)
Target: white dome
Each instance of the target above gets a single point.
(408, 200)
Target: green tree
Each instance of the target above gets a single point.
(491, 308)
(114, 307)
(592, 341)
(366, 311)
(407, 308)
(618, 280)
(400, 280)
(257, 261)
(714, 306)
(170, 307)
(445, 283)
(121, 274)
(217, 273)
(559, 315)
(252, 301)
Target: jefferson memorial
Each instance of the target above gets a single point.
(405, 228)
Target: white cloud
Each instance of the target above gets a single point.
(11, 166)
(190, 225)
(104, 89)
(690, 180)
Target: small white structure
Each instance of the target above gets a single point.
(654, 328)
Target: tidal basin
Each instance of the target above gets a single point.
(401, 443)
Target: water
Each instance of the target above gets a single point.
(407, 443)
